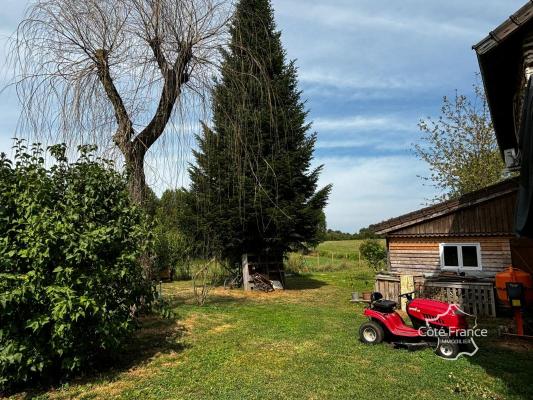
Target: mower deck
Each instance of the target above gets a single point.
(412, 346)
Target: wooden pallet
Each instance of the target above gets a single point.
(476, 298)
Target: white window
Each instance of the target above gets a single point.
(460, 256)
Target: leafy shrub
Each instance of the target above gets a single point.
(295, 263)
(70, 277)
(172, 250)
(374, 253)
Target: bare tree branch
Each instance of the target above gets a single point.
(118, 73)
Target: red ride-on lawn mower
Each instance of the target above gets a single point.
(434, 323)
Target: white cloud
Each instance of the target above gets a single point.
(377, 132)
(367, 123)
(387, 45)
(369, 190)
(342, 16)
(355, 80)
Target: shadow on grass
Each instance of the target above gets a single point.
(212, 299)
(220, 299)
(302, 282)
(156, 336)
(509, 360)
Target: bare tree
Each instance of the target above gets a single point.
(116, 72)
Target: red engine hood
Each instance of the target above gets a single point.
(437, 313)
(431, 306)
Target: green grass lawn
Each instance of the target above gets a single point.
(342, 255)
(298, 344)
(340, 248)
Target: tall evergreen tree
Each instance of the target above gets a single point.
(253, 189)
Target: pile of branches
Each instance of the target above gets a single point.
(261, 282)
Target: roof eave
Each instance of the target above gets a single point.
(523, 15)
(446, 207)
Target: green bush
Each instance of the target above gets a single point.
(295, 263)
(172, 250)
(374, 253)
(70, 277)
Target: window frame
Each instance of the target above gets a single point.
(459, 247)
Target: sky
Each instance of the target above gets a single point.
(369, 71)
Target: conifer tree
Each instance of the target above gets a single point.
(253, 189)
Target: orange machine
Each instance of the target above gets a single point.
(515, 288)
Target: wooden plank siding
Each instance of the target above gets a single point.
(489, 210)
(421, 255)
(485, 216)
(494, 217)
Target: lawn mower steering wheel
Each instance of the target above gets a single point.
(408, 295)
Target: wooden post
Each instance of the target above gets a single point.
(407, 284)
(245, 273)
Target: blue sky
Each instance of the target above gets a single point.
(369, 69)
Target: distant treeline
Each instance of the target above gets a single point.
(364, 233)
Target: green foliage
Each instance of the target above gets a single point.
(296, 263)
(366, 233)
(253, 189)
(172, 209)
(70, 277)
(321, 234)
(373, 252)
(460, 147)
(173, 249)
(337, 235)
(150, 203)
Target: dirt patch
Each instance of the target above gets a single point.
(207, 323)
(222, 328)
(191, 321)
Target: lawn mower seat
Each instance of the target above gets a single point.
(375, 296)
(384, 306)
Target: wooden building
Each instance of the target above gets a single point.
(452, 250)
(473, 235)
(506, 63)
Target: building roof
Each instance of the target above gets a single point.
(499, 57)
(445, 208)
(505, 29)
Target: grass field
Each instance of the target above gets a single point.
(342, 255)
(301, 343)
(340, 248)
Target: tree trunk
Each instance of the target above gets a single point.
(136, 179)
(137, 184)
